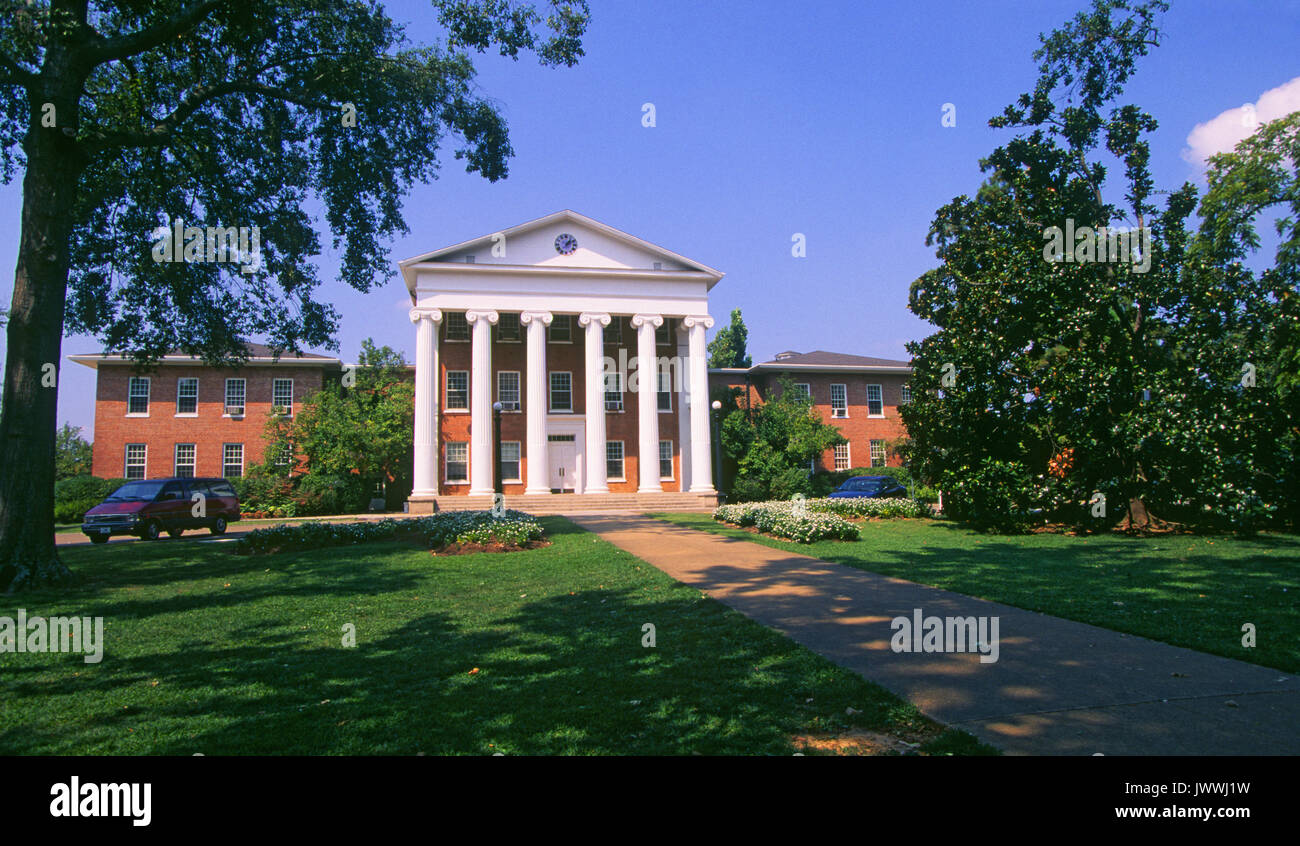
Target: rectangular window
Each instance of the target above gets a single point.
(665, 393)
(875, 406)
(561, 390)
(508, 389)
(457, 462)
(135, 460)
(232, 460)
(614, 391)
(842, 461)
(561, 329)
(664, 333)
(907, 395)
(187, 396)
(457, 326)
(137, 395)
(184, 463)
(665, 459)
(877, 453)
(614, 331)
(614, 460)
(457, 390)
(839, 401)
(510, 461)
(235, 389)
(508, 328)
(803, 389)
(282, 397)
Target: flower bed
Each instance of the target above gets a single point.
(465, 528)
(815, 519)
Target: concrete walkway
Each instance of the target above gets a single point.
(1057, 688)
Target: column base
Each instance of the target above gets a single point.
(704, 489)
(536, 491)
(656, 489)
(592, 489)
(481, 492)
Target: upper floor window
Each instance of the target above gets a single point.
(235, 390)
(664, 333)
(614, 331)
(875, 403)
(906, 395)
(561, 390)
(561, 329)
(457, 326)
(137, 395)
(839, 401)
(614, 391)
(458, 389)
(508, 328)
(282, 396)
(508, 389)
(187, 396)
(665, 393)
(803, 389)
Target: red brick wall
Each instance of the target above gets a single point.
(455, 425)
(162, 429)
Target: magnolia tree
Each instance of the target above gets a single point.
(169, 153)
(1097, 358)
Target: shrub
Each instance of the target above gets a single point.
(781, 519)
(75, 496)
(321, 493)
(513, 527)
(890, 508)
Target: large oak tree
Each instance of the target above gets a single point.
(126, 116)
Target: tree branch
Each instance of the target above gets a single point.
(111, 49)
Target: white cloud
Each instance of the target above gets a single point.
(1221, 134)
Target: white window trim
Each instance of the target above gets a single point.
(243, 458)
(848, 457)
(623, 462)
(881, 388)
(518, 477)
(845, 415)
(446, 331)
(807, 388)
(447, 480)
(668, 393)
(446, 392)
(126, 461)
(884, 453)
(519, 390)
(550, 393)
(225, 397)
(195, 412)
(148, 395)
(176, 448)
(290, 406)
(904, 395)
(670, 477)
(622, 393)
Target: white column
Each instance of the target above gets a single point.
(683, 399)
(539, 466)
(480, 401)
(426, 401)
(701, 456)
(594, 390)
(647, 402)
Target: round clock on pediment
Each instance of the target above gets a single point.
(565, 244)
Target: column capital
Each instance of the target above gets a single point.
(639, 320)
(473, 316)
(690, 321)
(543, 317)
(587, 317)
(418, 314)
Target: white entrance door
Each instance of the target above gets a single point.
(562, 451)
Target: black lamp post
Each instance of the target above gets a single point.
(496, 447)
(717, 447)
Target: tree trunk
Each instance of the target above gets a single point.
(35, 333)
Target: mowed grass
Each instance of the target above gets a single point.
(534, 652)
(1188, 590)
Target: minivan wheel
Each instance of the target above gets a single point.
(99, 538)
(151, 530)
(219, 526)
(175, 533)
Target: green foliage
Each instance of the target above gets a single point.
(1035, 360)
(73, 497)
(266, 491)
(728, 347)
(774, 444)
(437, 530)
(780, 519)
(72, 454)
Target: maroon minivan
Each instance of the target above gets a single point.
(149, 507)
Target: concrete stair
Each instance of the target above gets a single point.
(545, 504)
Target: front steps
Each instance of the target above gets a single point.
(545, 504)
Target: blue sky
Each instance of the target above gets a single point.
(774, 119)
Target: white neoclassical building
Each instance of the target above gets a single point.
(535, 337)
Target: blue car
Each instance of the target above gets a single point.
(865, 487)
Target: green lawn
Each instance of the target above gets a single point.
(1193, 591)
(221, 654)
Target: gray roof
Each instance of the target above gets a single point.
(823, 360)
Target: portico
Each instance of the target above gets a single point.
(606, 333)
